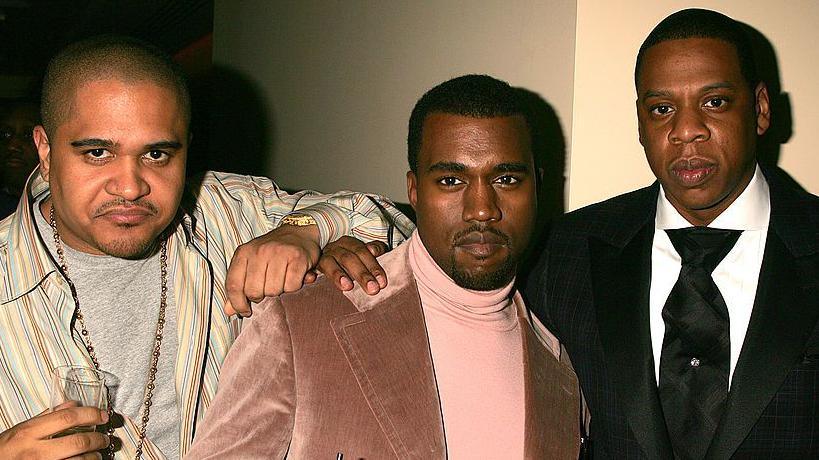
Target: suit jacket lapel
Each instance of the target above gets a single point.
(388, 351)
(621, 278)
(785, 313)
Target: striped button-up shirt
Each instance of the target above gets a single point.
(218, 213)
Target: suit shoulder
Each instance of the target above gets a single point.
(606, 216)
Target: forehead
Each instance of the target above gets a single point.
(474, 142)
(115, 104)
(689, 62)
(26, 114)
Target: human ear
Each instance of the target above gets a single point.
(43, 150)
(763, 109)
(412, 189)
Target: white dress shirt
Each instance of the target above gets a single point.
(736, 276)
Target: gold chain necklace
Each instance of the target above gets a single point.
(160, 326)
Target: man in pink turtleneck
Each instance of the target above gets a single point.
(446, 361)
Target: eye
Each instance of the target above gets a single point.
(97, 154)
(450, 181)
(156, 156)
(508, 180)
(661, 110)
(716, 102)
(5, 135)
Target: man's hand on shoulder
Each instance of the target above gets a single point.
(34, 437)
(283, 261)
(349, 259)
(269, 265)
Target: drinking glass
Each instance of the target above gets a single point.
(83, 385)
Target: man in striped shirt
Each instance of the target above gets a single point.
(113, 261)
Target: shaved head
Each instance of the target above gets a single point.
(103, 58)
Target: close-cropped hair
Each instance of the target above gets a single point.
(476, 96)
(700, 23)
(107, 57)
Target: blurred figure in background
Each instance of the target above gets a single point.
(18, 155)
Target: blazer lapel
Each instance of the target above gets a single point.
(621, 277)
(785, 312)
(552, 398)
(388, 351)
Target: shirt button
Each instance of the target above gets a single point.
(695, 362)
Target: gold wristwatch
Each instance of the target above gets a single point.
(297, 219)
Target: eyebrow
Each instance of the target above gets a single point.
(108, 143)
(706, 88)
(170, 145)
(93, 142)
(447, 166)
(512, 167)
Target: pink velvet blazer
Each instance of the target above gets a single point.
(320, 372)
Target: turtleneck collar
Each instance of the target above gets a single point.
(491, 309)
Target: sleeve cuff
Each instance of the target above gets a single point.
(332, 222)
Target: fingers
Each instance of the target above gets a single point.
(350, 259)
(331, 269)
(358, 266)
(294, 275)
(235, 287)
(64, 405)
(47, 425)
(269, 265)
(377, 248)
(79, 445)
(310, 277)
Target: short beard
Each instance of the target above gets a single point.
(485, 281)
(129, 248)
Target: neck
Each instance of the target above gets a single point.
(435, 284)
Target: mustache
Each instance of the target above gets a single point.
(691, 163)
(123, 203)
(478, 233)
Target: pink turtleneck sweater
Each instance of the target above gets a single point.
(477, 354)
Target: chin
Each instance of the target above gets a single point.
(130, 248)
(484, 278)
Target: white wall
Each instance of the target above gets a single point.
(339, 78)
(607, 158)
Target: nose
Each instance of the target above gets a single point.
(688, 126)
(481, 203)
(20, 141)
(128, 181)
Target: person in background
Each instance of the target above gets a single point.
(18, 154)
(446, 361)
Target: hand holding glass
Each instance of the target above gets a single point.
(83, 385)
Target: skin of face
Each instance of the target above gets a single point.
(699, 121)
(116, 166)
(475, 196)
(18, 155)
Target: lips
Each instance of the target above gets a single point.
(481, 244)
(126, 215)
(692, 172)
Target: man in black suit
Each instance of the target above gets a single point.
(693, 356)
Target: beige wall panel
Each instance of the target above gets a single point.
(607, 158)
(339, 78)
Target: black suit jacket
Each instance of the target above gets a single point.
(591, 288)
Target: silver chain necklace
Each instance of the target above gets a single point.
(160, 325)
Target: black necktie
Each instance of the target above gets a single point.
(696, 355)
